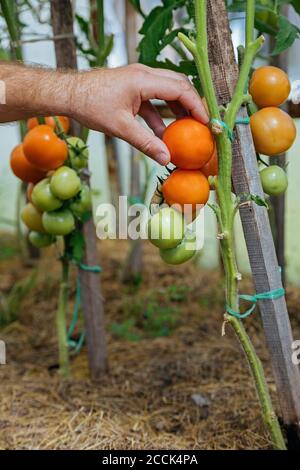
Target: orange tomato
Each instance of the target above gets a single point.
(269, 86)
(211, 168)
(65, 122)
(191, 143)
(32, 218)
(273, 131)
(22, 168)
(186, 187)
(44, 149)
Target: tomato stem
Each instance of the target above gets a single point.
(250, 16)
(227, 205)
(60, 128)
(61, 319)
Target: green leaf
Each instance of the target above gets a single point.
(296, 5)
(286, 36)
(83, 25)
(259, 201)
(157, 24)
(137, 6)
(77, 245)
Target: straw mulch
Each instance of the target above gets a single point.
(190, 390)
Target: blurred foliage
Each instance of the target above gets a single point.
(10, 304)
(151, 315)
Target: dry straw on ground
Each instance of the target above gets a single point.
(154, 394)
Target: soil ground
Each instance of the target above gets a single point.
(190, 389)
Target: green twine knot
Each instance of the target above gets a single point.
(225, 126)
(271, 295)
(244, 121)
(91, 269)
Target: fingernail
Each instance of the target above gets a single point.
(163, 159)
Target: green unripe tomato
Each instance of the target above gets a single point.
(78, 152)
(41, 240)
(59, 223)
(65, 183)
(274, 180)
(166, 228)
(43, 198)
(83, 202)
(181, 253)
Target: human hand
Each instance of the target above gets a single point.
(109, 100)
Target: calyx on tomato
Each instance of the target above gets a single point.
(78, 152)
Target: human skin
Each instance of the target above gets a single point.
(105, 100)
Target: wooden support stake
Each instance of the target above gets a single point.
(92, 301)
(278, 202)
(133, 267)
(256, 227)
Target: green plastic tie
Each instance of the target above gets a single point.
(223, 124)
(91, 269)
(271, 295)
(244, 121)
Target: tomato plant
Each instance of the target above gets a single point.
(22, 168)
(44, 149)
(50, 121)
(273, 131)
(186, 187)
(59, 223)
(41, 240)
(166, 228)
(32, 218)
(191, 143)
(274, 180)
(269, 86)
(181, 253)
(187, 184)
(65, 183)
(43, 198)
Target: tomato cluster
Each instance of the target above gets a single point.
(186, 189)
(50, 162)
(273, 130)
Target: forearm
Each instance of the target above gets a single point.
(34, 92)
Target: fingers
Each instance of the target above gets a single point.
(177, 109)
(144, 140)
(152, 117)
(171, 86)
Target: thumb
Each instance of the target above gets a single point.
(145, 141)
